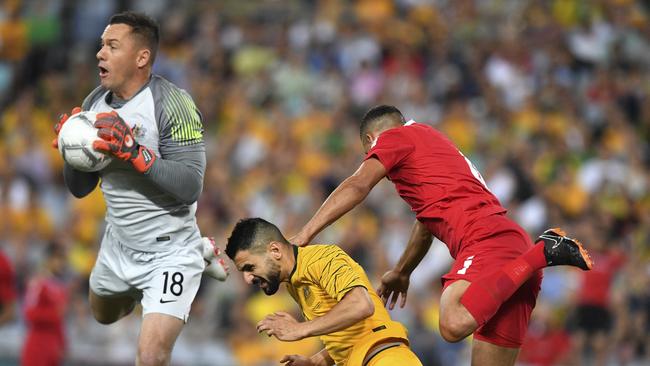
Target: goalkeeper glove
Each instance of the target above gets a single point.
(116, 138)
(57, 127)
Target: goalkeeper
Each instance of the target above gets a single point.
(152, 250)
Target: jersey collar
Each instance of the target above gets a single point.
(295, 262)
(116, 103)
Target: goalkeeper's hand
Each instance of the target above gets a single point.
(57, 127)
(116, 139)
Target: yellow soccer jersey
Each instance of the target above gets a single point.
(322, 276)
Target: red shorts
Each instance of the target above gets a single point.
(496, 241)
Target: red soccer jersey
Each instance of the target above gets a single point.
(442, 186)
(45, 303)
(546, 348)
(595, 287)
(7, 281)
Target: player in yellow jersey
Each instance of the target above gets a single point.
(336, 298)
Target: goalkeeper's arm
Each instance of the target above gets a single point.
(79, 183)
(180, 174)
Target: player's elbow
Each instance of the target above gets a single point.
(79, 193)
(190, 197)
(358, 189)
(367, 308)
(191, 194)
(364, 305)
(80, 184)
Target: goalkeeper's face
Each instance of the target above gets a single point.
(118, 57)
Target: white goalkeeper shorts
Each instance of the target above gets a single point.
(164, 282)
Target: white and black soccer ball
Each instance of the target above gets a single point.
(76, 143)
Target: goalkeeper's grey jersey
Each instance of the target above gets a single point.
(165, 119)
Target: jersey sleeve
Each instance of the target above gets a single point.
(180, 123)
(336, 273)
(391, 149)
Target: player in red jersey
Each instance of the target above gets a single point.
(493, 284)
(7, 290)
(45, 304)
(594, 313)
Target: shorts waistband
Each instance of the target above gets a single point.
(379, 348)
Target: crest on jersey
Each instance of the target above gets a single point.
(138, 131)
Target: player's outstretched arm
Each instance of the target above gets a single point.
(353, 307)
(396, 281)
(345, 197)
(322, 358)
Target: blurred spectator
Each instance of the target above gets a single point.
(547, 342)
(7, 290)
(45, 306)
(549, 99)
(594, 316)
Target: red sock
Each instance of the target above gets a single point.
(484, 296)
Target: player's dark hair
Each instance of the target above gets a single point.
(376, 114)
(142, 26)
(252, 234)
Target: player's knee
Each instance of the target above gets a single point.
(104, 318)
(451, 335)
(109, 317)
(454, 329)
(152, 356)
(109, 311)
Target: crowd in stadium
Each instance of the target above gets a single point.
(549, 99)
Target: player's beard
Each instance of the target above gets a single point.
(273, 277)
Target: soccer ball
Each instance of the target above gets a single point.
(76, 143)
